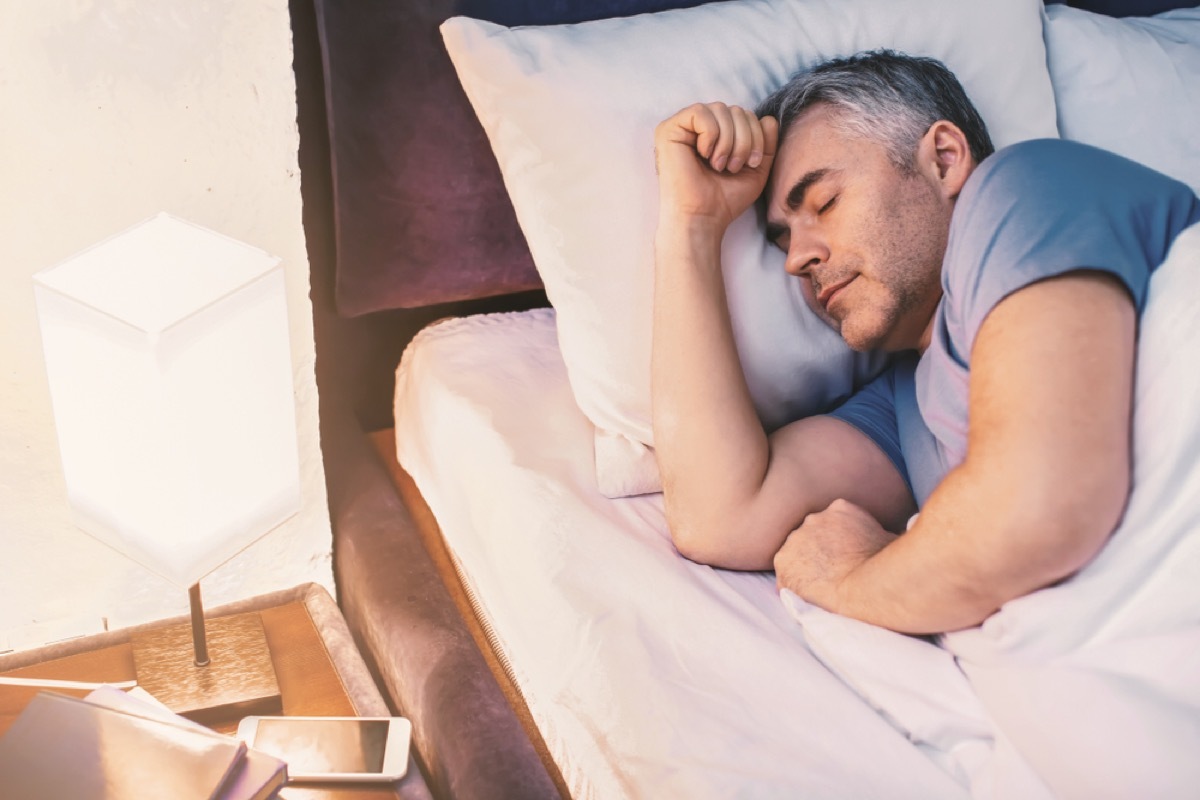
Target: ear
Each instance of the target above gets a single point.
(946, 157)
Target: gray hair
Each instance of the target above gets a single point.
(884, 96)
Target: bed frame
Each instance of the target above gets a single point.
(391, 242)
(407, 221)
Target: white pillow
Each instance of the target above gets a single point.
(1130, 85)
(570, 112)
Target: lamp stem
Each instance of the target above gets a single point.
(199, 640)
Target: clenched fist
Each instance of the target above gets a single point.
(817, 557)
(713, 161)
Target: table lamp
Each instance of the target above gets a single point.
(169, 366)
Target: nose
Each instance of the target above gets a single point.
(805, 252)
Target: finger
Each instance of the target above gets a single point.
(841, 507)
(841, 504)
(743, 138)
(770, 130)
(756, 140)
(844, 506)
(723, 146)
(695, 126)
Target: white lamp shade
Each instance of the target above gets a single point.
(170, 374)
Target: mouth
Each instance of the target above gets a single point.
(831, 293)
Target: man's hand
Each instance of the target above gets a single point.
(828, 546)
(713, 161)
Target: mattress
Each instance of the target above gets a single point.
(647, 675)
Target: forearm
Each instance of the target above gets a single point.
(709, 442)
(1048, 466)
(939, 576)
(973, 548)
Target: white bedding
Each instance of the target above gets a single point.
(1090, 688)
(650, 676)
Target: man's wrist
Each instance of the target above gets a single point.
(848, 595)
(690, 231)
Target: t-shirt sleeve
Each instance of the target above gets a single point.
(1044, 208)
(872, 410)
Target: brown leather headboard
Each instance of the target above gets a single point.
(421, 214)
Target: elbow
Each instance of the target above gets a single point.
(1073, 527)
(694, 548)
(715, 543)
(1075, 543)
(694, 540)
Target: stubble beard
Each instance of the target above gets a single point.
(881, 322)
(908, 284)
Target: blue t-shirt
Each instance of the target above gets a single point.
(1029, 212)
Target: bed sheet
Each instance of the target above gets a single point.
(648, 675)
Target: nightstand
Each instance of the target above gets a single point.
(319, 669)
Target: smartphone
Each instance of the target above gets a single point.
(362, 749)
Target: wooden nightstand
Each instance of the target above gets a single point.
(319, 669)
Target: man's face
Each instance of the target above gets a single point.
(866, 238)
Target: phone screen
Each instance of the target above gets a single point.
(316, 746)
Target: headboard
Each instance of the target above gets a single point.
(1125, 8)
(420, 211)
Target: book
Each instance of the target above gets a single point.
(67, 747)
(259, 776)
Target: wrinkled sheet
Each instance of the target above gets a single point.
(649, 676)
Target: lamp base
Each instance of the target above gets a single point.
(239, 679)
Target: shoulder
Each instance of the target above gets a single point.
(1027, 180)
(1044, 207)
(1048, 159)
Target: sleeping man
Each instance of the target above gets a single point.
(1009, 285)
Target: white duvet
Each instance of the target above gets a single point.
(1091, 688)
(653, 677)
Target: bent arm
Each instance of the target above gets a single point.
(1047, 471)
(732, 494)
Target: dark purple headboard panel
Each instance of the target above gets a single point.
(1126, 8)
(421, 215)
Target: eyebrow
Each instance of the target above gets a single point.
(795, 198)
(795, 195)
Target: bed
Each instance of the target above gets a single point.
(500, 549)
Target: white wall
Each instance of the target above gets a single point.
(113, 110)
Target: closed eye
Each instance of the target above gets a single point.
(828, 205)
